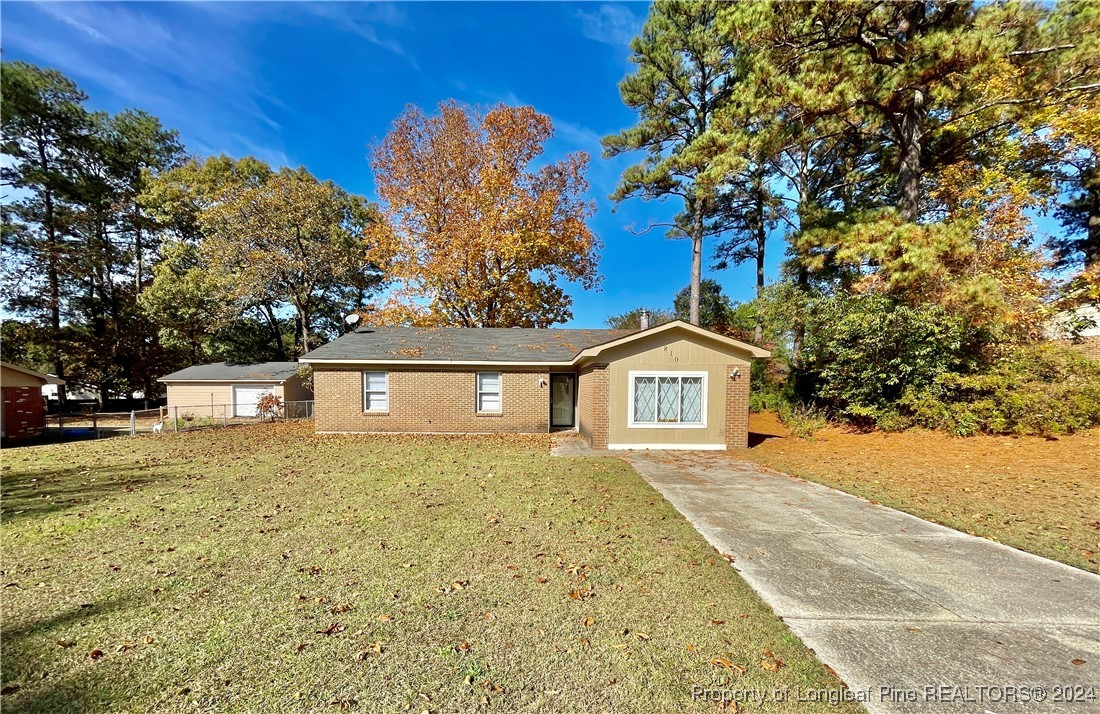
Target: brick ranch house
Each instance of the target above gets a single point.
(674, 386)
(24, 414)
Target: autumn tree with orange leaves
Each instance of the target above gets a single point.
(471, 235)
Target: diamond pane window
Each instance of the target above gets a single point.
(645, 399)
(691, 400)
(668, 399)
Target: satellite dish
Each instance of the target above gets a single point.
(352, 318)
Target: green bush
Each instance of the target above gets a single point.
(769, 388)
(1045, 389)
(803, 420)
(863, 352)
(871, 361)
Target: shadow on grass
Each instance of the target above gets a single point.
(32, 494)
(37, 688)
(756, 438)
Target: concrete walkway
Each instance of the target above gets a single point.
(891, 601)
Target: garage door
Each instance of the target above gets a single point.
(245, 398)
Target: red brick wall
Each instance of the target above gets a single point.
(24, 415)
(443, 401)
(737, 407)
(592, 396)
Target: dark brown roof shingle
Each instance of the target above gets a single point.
(463, 344)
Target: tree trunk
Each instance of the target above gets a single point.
(52, 278)
(303, 319)
(758, 336)
(274, 325)
(761, 242)
(1092, 237)
(800, 323)
(139, 268)
(910, 171)
(696, 261)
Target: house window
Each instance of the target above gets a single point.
(667, 399)
(376, 392)
(488, 391)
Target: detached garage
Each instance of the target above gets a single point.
(22, 415)
(232, 390)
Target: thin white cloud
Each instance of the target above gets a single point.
(581, 136)
(610, 24)
(191, 77)
(276, 157)
(364, 22)
(54, 11)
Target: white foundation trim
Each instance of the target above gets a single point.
(660, 447)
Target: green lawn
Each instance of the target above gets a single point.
(267, 569)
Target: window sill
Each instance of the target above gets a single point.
(664, 425)
(489, 414)
(385, 413)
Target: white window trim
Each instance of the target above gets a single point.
(478, 392)
(665, 425)
(375, 391)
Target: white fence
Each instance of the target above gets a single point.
(164, 419)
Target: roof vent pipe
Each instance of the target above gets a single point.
(643, 320)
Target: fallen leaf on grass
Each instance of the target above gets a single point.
(588, 622)
(771, 662)
(95, 654)
(10, 689)
(65, 644)
(726, 664)
(462, 647)
(1077, 662)
(385, 618)
(338, 609)
(332, 629)
(125, 646)
(690, 648)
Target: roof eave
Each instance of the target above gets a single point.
(594, 351)
(440, 362)
(228, 380)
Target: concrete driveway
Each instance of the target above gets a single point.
(914, 617)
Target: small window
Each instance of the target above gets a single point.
(488, 391)
(667, 399)
(376, 392)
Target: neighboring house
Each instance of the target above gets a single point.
(1078, 328)
(674, 386)
(24, 412)
(232, 389)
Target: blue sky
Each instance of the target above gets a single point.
(316, 84)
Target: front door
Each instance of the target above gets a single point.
(563, 390)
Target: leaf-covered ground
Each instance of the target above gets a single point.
(267, 569)
(1035, 494)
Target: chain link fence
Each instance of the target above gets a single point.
(165, 419)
